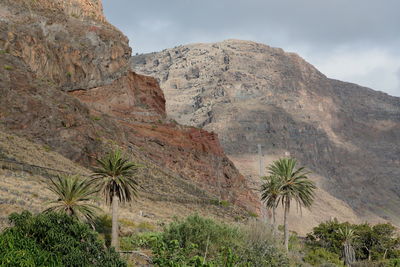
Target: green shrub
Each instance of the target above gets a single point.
(95, 118)
(259, 246)
(321, 256)
(205, 233)
(146, 240)
(103, 226)
(53, 239)
(145, 227)
(223, 203)
(375, 242)
(198, 241)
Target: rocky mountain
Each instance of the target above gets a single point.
(250, 94)
(66, 85)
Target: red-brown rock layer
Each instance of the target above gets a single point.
(64, 83)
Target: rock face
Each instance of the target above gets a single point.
(65, 83)
(251, 94)
(65, 41)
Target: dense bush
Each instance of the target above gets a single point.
(198, 241)
(321, 256)
(52, 239)
(207, 234)
(259, 246)
(372, 243)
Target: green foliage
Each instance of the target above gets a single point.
(370, 242)
(146, 240)
(270, 191)
(326, 235)
(321, 256)
(259, 246)
(95, 118)
(47, 148)
(52, 239)
(205, 233)
(222, 203)
(383, 263)
(17, 250)
(116, 176)
(198, 241)
(292, 184)
(8, 67)
(294, 242)
(102, 225)
(72, 196)
(145, 227)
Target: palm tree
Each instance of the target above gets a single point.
(270, 192)
(348, 235)
(294, 186)
(115, 180)
(73, 197)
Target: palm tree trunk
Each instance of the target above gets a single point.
(349, 254)
(114, 227)
(285, 222)
(274, 226)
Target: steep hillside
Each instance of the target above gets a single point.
(251, 94)
(65, 84)
(25, 168)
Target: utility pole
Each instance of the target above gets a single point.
(260, 161)
(264, 212)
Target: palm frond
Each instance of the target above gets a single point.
(116, 176)
(294, 183)
(73, 196)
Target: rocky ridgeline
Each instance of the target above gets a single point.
(251, 94)
(66, 83)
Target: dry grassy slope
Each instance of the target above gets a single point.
(250, 93)
(169, 197)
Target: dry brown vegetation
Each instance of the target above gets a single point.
(161, 198)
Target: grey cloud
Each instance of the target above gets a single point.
(318, 26)
(325, 22)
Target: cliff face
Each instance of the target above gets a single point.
(68, 42)
(252, 94)
(65, 83)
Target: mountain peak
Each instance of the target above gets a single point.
(250, 93)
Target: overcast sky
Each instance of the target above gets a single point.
(350, 40)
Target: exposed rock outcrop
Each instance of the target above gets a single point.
(251, 94)
(65, 83)
(75, 50)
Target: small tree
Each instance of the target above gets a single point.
(270, 192)
(115, 180)
(295, 186)
(349, 254)
(73, 195)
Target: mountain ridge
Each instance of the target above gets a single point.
(250, 94)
